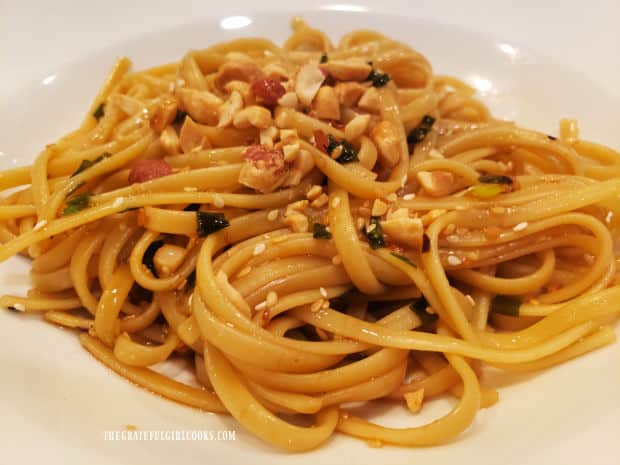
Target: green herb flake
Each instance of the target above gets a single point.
(403, 258)
(99, 112)
(378, 79)
(149, 255)
(77, 203)
(419, 307)
(486, 191)
(374, 234)
(348, 154)
(324, 58)
(419, 133)
(491, 179)
(208, 223)
(88, 163)
(505, 305)
(320, 231)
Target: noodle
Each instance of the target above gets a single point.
(315, 225)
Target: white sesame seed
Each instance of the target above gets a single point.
(323, 292)
(272, 299)
(272, 215)
(408, 196)
(118, 201)
(218, 201)
(520, 227)
(470, 299)
(190, 189)
(259, 249)
(336, 202)
(371, 227)
(261, 306)
(40, 224)
(19, 307)
(454, 260)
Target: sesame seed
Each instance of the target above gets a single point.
(272, 215)
(370, 228)
(454, 260)
(408, 196)
(316, 306)
(218, 201)
(520, 227)
(190, 189)
(19, 307)
(118, 201)
(314, 192)
(261, 306)
(323, 292)
(336, 202)
(259, 249)
(470, 299)
(40, 224)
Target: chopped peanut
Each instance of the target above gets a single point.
(326, 103)
(264, 170)
(414, 400)
(163, 114)
(308, 82)
(202, 106)
(353, 69)
(268, 135)
(169, 140)
(385, 136)
(254, 115)
(436, 183)
(320, 201)
(289, 100)
(298, 222)
(406, 231)
(242, 87)
(356, 127)
(370, 101)
(379, 208)
(229, 108)
(314, 192)
(192, 137)
(349, 93)
(168, 258)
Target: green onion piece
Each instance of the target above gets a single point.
(506, 305)
(77, 203)
(208, 223)
(88, 163)
(403, 258)
(99, 112)
(486, 191)
(378, 79)
(320, 231)
(149, 255)
(375, 236)
(491, 179)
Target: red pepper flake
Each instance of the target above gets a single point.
(268, 90)
(320, 140)
(145, 170)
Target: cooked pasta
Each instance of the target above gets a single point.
(316, 225)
